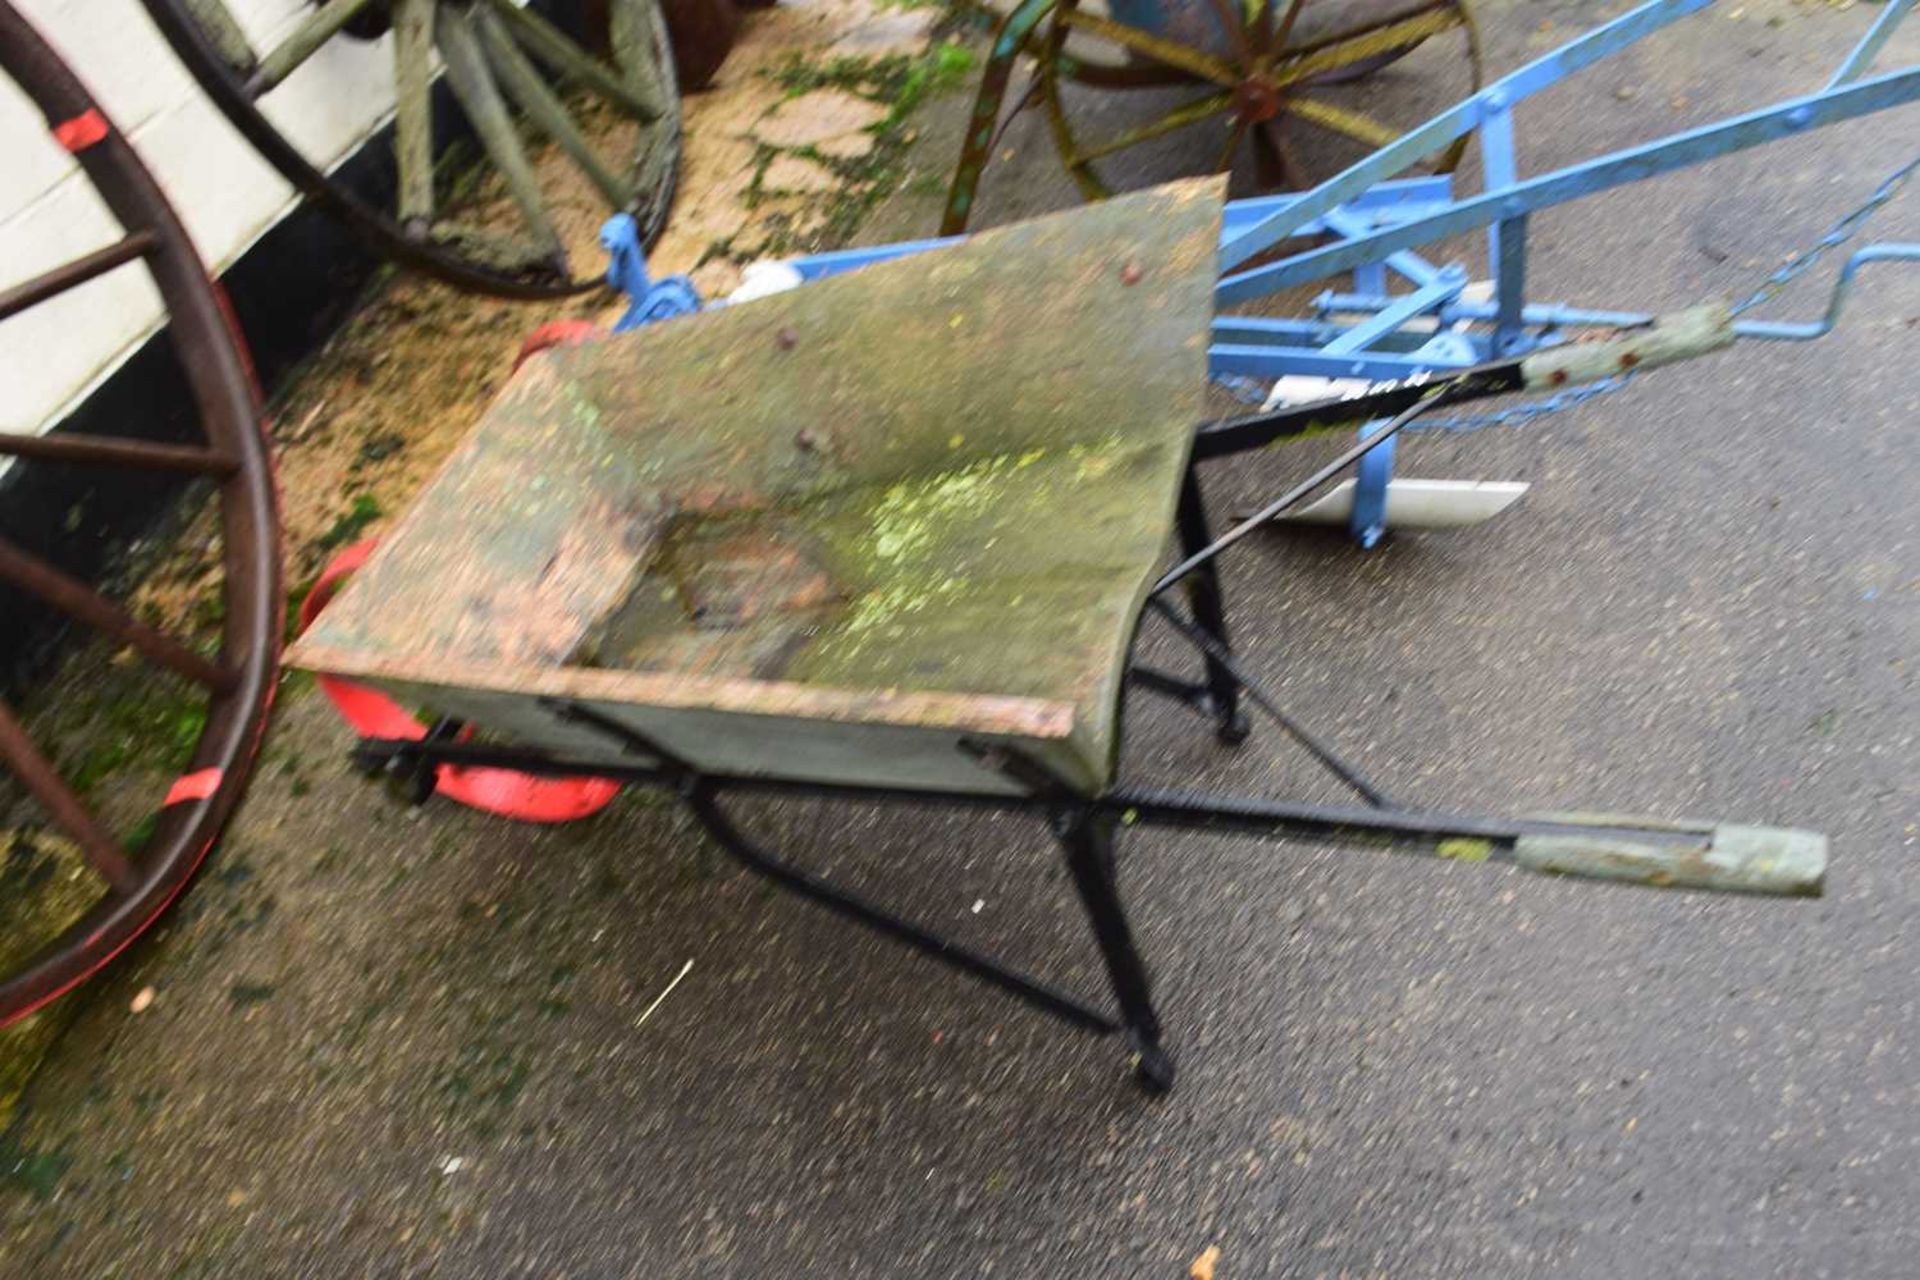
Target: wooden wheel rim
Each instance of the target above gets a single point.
(220, 379)
(381, 229)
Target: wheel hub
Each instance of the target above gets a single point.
(1256, 101)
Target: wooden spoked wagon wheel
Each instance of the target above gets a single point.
(1253, 70)
(509, 70)
(236, 681)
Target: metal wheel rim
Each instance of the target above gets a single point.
(218, 372)
(380, 229)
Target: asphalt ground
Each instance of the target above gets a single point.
(405, 1044)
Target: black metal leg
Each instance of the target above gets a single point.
(827, 894)
(1087, 835)
(1204, 597)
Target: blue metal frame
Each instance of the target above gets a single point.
(1376, 224)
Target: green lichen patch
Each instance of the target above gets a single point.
(351, 523)
(45, 886)
(29, 1169)
(964, 579)
(126, 720)
(245, 995)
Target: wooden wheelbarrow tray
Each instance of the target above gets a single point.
(890, 536)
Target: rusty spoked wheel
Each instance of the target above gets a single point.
(234, 683)
(510, 71)
(1261, 67)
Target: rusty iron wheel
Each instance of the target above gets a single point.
(1262, 69)
(1260, 66)
(501, 59)
(235, 682)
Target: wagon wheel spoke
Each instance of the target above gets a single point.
(1167, 52)
(1104, 75)
(1345, 51)
(636, 39)
(71, 275)
(1274, 34)
(479, 97)
(100, 850)
(636, 30)
(1353, 124)
(1235, 136)
(413, 112)
(117, 451)
(1274, 153)
(77, 600)
(1179, 118)
(524, 85)
(285, 58)
(512, 68)
(223, 33)
(1235, 28)
(568, 60)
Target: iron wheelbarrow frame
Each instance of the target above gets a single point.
(1087, 827)
(1371, 226)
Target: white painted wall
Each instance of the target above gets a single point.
(52, 355)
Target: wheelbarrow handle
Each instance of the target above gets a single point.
(1679, 335)
(1730, 857)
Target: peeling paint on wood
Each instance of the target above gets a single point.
(1682, 335)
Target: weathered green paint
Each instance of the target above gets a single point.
(1697, 331)
(315, 29)
(1728, 857)
(1464, 849)
(413, 110)
(894, 496)
(471, 78)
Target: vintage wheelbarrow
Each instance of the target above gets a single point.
(1226, 76)
(803, 545)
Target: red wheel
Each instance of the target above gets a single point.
(235, 683)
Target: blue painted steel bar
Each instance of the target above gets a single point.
(1367, 522)
(1266, 331)
(1869, 47)
(1402, 309)
(1401, 200)
(1451, 123)
(1550, 315)
(1507, 238)
(1406, 263)
(1787, 331)
(1278, 362)
(1631, 165)
(1273, 331)
(1396, 197)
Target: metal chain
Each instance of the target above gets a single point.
(1841, 232)
(1252, 391)
(1526, 410)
